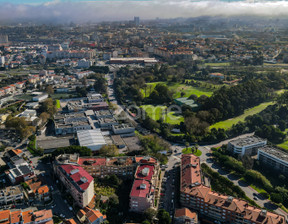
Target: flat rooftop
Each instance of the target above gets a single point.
(250, 140)
(275, 152)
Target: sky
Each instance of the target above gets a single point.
(111, 10)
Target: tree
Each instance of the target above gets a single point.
(109, 150)
(44, 117)
(49, 107)
(100, 84)
(49, 89)
(276, 197)
(247, 162)
(164, 217)
(146, 222)
(150, 213)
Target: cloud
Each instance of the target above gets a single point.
(99, 10)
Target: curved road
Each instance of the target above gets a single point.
(250, 192)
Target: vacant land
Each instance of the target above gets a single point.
(157, 112)
(230, 122)
(177, 89)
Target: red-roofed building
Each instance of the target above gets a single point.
(77, 181)
(90, 216)
(185, 216)
(144, 172)
(29, 217)
(142, 194)
(226, 209)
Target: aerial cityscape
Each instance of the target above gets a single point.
(143, 112)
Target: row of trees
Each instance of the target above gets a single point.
(245, 169)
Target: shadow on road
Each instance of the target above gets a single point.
(233, 177)
(223, 172)
(242, 183)
(270, 205)
(214, 166)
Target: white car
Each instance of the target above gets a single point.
(70, 208)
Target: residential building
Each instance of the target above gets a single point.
(133, 60)
(185, 216)
(36, 189)
(83, 63)
(4, 40)
(274, 158)
(11, 194)
(124, 166)
(20, 173)
(26, 217)
(2, 60)
(223, 208)
(78, 182)
(246, 146)
(143, 192)
(90, 216)
(136, 21)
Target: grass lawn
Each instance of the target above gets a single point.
(157, 112)
(189, 150)
(284, 145)
(217, 64)
(177, 88)
(58, 104)
(259, 190)
(230, 122)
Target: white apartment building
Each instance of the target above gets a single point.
(274, 157)
(247, 145)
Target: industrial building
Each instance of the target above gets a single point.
(124, 130)
(92, 139)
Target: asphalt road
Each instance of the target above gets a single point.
(250, 192)
(58, 206)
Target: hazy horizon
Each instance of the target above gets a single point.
(103, 10)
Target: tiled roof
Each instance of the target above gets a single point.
(78, 176)
(185, 212)
(27, 216)
(5, 217)
(43, 189)
(137, 191)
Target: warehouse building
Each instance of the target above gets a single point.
(92, 139)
